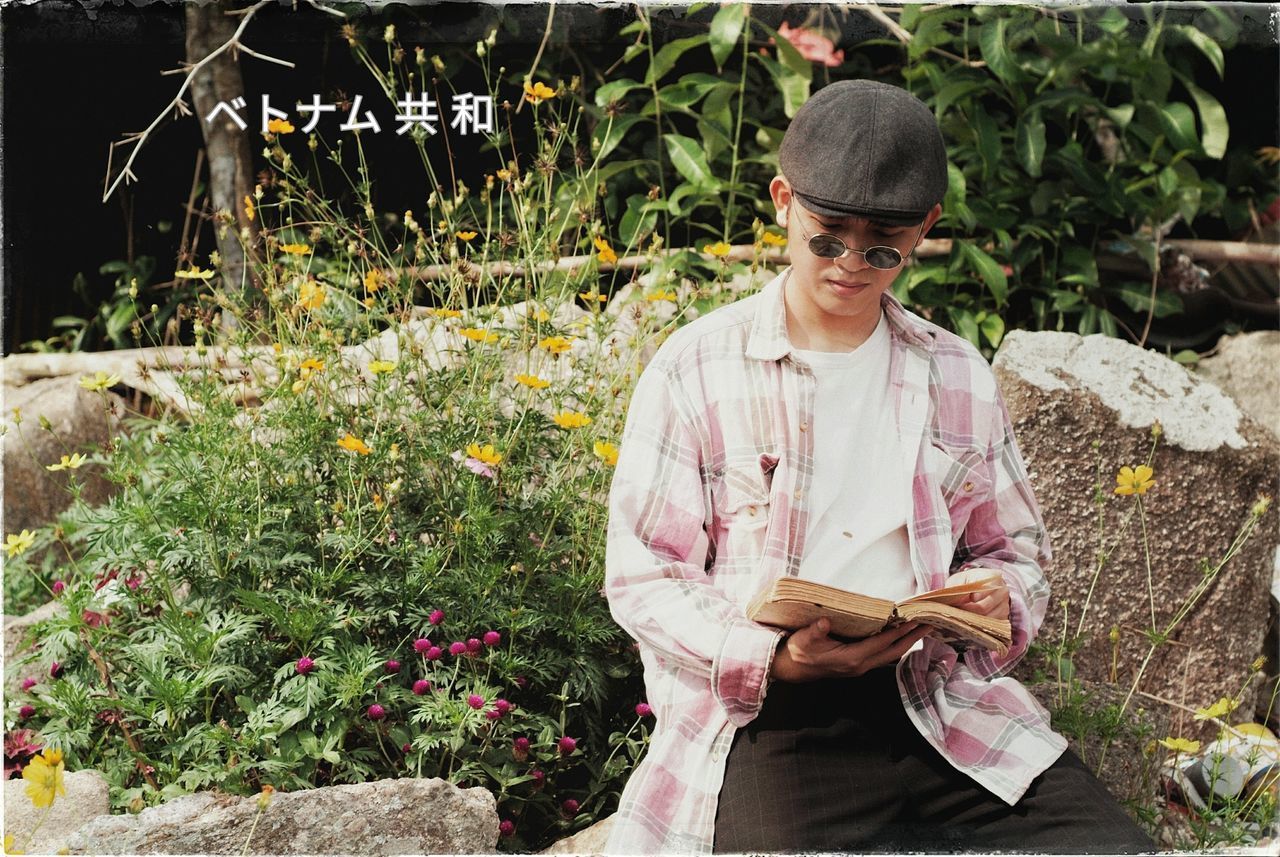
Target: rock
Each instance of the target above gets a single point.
(1067, 394)
(80, 422)
(15, 628)
(589, 841)
(1247, 368)
(408, 816)
(87, 797)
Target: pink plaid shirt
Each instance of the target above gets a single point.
(708, 505)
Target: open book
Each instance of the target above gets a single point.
(792, 603)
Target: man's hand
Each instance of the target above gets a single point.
(993, 603)
(809, 654)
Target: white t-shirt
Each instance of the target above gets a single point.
(860, 497)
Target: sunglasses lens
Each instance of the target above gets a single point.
(884, 258)
(826, 246)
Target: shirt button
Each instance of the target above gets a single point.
(799, 494)
(847, 534)
(804, 426)
(968, 486)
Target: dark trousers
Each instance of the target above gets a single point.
(836, 765)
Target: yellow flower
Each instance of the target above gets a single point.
(477, 334)
(606, 452)
(591, 297)
(16, 543)
(535, 93)
(381, 367)
(264, 797)
(280, 126)
(9, 847)
(296, 249)
(505, 175)
(99, 381)
(1134, 481)
(249, 211)
(605, 254)
(466, 235)
(310, 365)
(486, 454)
(718, 249)
(556, 344)
(539, 314)
(68, 462)
(441, 312)
(1180, 745)
(44, 778)
(353, 444)
(773, 239)
(373, 280)
(1219, 709)
(571, 419)
(194, 274)
(1261, 505)
(310, 295)
(661, 296)
(533, 382)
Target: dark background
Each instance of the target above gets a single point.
(78, 76)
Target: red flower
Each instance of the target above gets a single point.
(473, 645)
(812, 46)
(26, 711)
(520, 749)
(28, 683)
(304, 666)
(492, 638)
(377, 712)
(421, 645)
(421, 686)
(436, 617)
(506, 827)
(475, 701)
(566, 745)
(392, 666)
(58, 586)
(457, 648)
(643, 709)
(434, 653)
(569, 808)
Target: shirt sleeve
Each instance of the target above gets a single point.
(1006, 533)
(658, 551)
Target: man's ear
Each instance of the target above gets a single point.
(930, 219)
(780, 191)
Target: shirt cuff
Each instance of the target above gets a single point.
(740, 672)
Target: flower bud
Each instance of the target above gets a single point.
(377, 712)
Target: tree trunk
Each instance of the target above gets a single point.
(230, 162)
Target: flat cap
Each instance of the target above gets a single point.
(860, 148)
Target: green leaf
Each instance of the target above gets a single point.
(1137, 296)
(637, 221)
(1030, 142)
(993, 40)
(615, 89)
(1207, 46)
(966, 325)
(611, 131)
(1113, 21)
(988, 140)
(1121, 115)
(1213, 120)
(794, 88)
(665, 59)
(726, 28)
(1179, 125)
(993, 329)
(988, 270)
(1187, 357)
(690, 160)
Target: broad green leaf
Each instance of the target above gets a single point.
(665, 59)
(1137, 296)
(988, 270)
(794, 88)
(1187, 357)
(714, 140)
(1207, 46)
(993, 329)
(1079, 266)
(726, 28)
(953, 92)
(988, 139)
(636, 222)
(615, 89)
(1213, 120)
(966, 325)
(1179, 125)
(993, 40)
(1030, 142)
(611, 131)
(689, 159)
(1112, 21)
(1121, 115)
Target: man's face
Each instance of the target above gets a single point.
(839, 293)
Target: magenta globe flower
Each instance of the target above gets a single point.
(392, 666)
(26, 711)
(506, 827)
(502, 706)
(58, 586)
(28, 683)
(457, 648)
(643, 709)
(539, 779)
(566, 745)
(421, 686)
(434, 653)
(569, 807)
(55, 669)
(406, 748)
(520, 749)
(436, 617)
(473, 645)
(492, 638)
(475, 701)
(304, 666)
(377, 712)
(522, 682)
(492, 714)
(421, 645)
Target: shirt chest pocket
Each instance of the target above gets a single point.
(740, 490)
(960, 474)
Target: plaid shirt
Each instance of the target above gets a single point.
(708, 505)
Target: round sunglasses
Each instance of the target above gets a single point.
(828, 246)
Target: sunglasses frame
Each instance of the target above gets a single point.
(808, 240)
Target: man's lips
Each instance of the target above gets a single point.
(849, 285)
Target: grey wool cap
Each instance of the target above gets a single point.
(859, 148)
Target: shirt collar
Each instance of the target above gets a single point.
(769, 340)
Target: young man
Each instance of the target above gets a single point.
(819, 429)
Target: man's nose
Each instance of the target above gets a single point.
(852, 261)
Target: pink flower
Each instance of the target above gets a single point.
(304, 666)
(436, 617)
(520, 749)
(492, 714)
(522, 682)
(406, 748)
(506, 827)
(377, 712)
(475, 701)
(473, 645)
(475, 465)
(28, 683)
(421, 645)
(539, 779)
(421, 686)
(434, 653)
(643, 709)
(58, 586)
(392, 666)
(457, 648)
(502, 706)
(566, 745)
(492, 638)
(26, 711)
(133, 582)
(812, 46)
(569, 808)
(55, 669)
